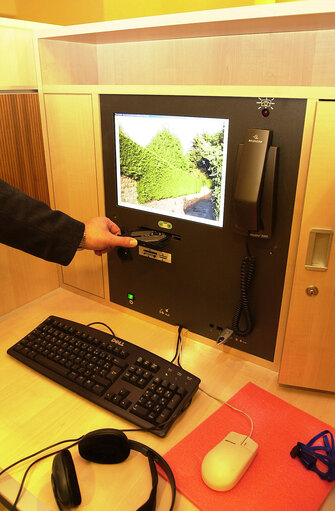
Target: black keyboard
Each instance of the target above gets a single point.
(127, 380)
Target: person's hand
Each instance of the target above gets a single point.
(101, 235)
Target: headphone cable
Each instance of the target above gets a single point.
(33, 463)
(75, 440)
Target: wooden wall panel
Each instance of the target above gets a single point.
(71, 63)
(249, 59)
(17, 60)
(22, 161)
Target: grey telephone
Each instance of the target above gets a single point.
(253, 199)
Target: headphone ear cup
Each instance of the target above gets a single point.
(104, 446)
(64, 480)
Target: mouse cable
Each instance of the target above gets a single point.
(233, 407)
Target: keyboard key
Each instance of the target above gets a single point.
(114, 373)
(124, 392)
(125, 403)
(139, 410)
(116, 399)
(123, 354)
(142, 383)
(18, 347)
(101, 380)
(163, 416)
(88, 384)
(98, 389)
(51, 365)
(174, 402)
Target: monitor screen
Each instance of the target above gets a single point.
(172, 165)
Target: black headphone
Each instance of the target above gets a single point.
(106, 446)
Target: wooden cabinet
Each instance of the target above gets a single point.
(226, 52)
(309, 349)
(70, 136)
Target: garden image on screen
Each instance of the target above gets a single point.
(172, 165)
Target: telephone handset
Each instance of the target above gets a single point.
(253, 198)
(253, 202)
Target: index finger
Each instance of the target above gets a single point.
(124, 241)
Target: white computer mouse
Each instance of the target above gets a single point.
(225, 464)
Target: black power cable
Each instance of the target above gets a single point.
(177, 355)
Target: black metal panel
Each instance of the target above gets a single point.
(200, 288)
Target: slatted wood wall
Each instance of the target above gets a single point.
(22, 160)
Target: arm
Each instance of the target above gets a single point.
(32, 226)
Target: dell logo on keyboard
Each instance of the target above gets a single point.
(117, 341)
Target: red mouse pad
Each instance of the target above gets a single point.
(274, 481)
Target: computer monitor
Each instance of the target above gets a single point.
(172, 165)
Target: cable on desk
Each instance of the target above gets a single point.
(233, 408)
(149, 428)
(178, 357)
(32, 464)
(76, 440)
(179, 347)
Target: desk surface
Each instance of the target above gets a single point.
(35, 412)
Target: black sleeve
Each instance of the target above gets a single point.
(33, 227)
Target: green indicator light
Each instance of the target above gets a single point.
(130, 296)
(166, 225)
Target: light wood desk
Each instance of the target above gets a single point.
(36, 412)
